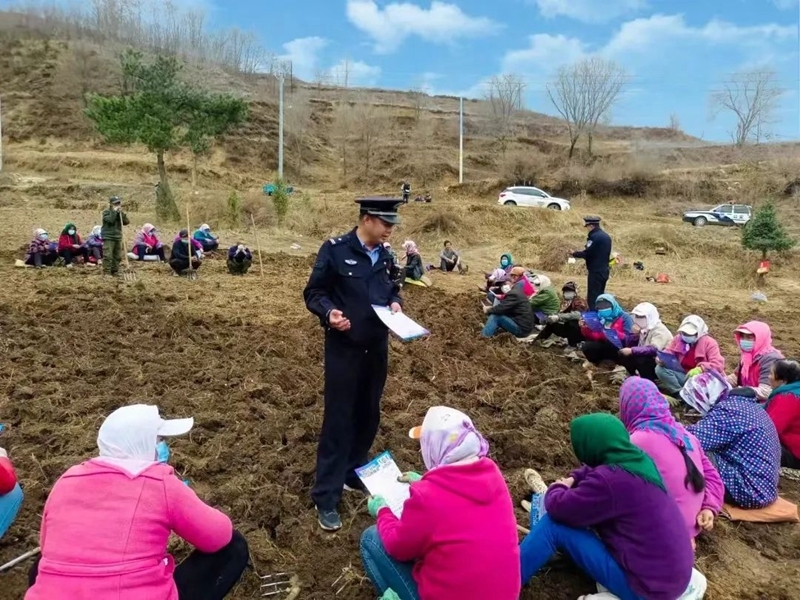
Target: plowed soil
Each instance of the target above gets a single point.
(244, 358)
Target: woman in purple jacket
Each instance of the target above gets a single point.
(614, 518)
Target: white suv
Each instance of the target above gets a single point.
(531, 196)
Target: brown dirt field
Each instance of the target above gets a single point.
(244, 359)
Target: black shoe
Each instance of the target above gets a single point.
(329, 520)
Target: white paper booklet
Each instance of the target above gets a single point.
(402, 326)
(380, 476)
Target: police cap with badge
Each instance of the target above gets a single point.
(383, 208)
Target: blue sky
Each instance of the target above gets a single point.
(675, 51)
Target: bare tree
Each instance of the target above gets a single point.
(752, 96)
(584, 94)
(675, 123)
(369, 121)
(419, 100)
(341, 130)
(298, 124)
(504, 98)
(83, 66)
(421, 143)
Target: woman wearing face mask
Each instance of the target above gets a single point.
(783, 407)
(653, 338)
(94, 245)
(738, 436)
(492, 277)
(696, 351)
(757, 357)
(614, 330)
(513, 313)
(457, 535)
(565, 323)
(70, 245)
(40, 251)
(107, 522)
(545, 301)
(415, 270)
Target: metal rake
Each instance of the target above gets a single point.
(280, 583)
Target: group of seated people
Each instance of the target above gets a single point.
(186, 253)
(413, 270)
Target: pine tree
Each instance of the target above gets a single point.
(764, 232)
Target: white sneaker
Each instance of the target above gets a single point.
(698, 585)
(548, 343)
(535, 481)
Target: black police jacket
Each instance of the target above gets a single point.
(597, 252)
(345, 279)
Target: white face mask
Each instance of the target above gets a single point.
(71, 232)
(569, 295)
(506, 288)
(641, 322)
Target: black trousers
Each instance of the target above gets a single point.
(142, 251)
(239, 267)
(179, 266)
(96, 252)
(788, 459)
(644, 366)
(596, 285)
(568, 329)
(597, 352)
(354, 380)
(70, 254)
(209, 246)
(201, 576)
(42, 259)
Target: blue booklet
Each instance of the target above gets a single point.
(592, 321)
(670, 361)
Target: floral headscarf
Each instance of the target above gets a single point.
(703, 391)
(643, 408)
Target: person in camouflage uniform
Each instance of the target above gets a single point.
(113, 220)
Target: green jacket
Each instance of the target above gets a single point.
(112, 228)
(546, 301)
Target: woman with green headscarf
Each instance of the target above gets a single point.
(614, 518)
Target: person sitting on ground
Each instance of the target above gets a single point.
(689, 476)
(11, 495)
(146, 243)
(783, 407)
(40, 252)
(107, 522)
(739, 438)
(415, 269)
(544, 301)
(654, 337)
(513, 313)
(564, 324)
(94, 245)
(613, 324)
(450, 260)
(457, 536)
(184, 248)
(506, 264)
(70, 245)
(697, 352)
(757, 356)
(240, 259)
(613, 517)
(203, 235)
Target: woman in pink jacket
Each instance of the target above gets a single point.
(147, 243)
(107, 522)
(696, 352)
(689, 476)
(457, 536)
(757, 358)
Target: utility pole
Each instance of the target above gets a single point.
(280, 128)
(461, 140)
(1, 137)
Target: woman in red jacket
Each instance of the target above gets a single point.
(10, 493)
(783, 407)
(70, 245)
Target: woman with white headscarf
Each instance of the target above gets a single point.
(694, 352)
(107, 522)
(203, 235)
(457, 534)
(94, 244)
(654, 337)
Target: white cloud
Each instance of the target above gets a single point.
(634, 39)
(389, 26)
(304, 55)
(785, 4)
(354, 73)
(590, 11)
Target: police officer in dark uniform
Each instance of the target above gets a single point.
(352, 272)
(597, 253)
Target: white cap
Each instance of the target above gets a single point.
(688, 328)
(146, 416)
(439, 418)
